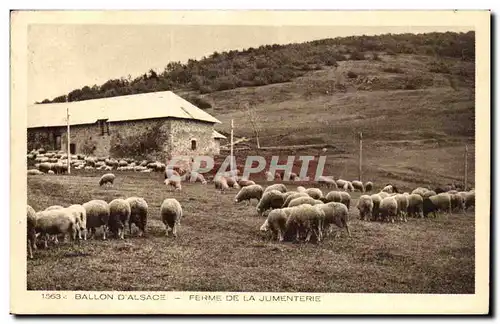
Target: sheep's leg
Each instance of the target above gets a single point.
(308, 235)
(103, 232)
(46, 241)
(30, 251)
(280, 235)
(174, 230)
(84, 230)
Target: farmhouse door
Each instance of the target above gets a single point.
(58, 142)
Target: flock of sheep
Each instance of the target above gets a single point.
(80, 220)
(290, 215)
(56, 162)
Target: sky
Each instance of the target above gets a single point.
(65, 57)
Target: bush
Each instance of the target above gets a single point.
(357, 56)
(352, 75)
(375, 57)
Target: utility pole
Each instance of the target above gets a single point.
(360, 153)
(68, 139)
(231, 161)
(465, 167)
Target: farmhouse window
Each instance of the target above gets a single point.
(193, 145)
(104, 126)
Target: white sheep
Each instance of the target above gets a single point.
(388, 209)
(248, 193)
(457, 201)
(97, 212)
(34, 172)
(365, 207)
(245, 182)
(390, 189)
(327, 181)
(415, 205)
(436, 203)
(278, 186)
(138, 214)
(469, 198)
(55, 222)
(174, 183)
(119, 215)
(383, 194)
(197, 177)
(403, 203)
(358, 185)
(171, 214)
(276, 222)
(345, 198)
(429, 193)
(314, 193)
(335, 213)
(333, 196)
(304, 200)
(292, 196)
(306, 219)
(221, 184)
(348, 186)
(107, 179)
(80, 212)
(271, 199)
(301, 189)
(376, 199)
(31, 230)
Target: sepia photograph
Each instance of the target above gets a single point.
(255, 159)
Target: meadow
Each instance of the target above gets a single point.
(220, 247)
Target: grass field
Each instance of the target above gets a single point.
(220, 248)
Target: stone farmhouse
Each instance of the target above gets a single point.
(157, 125)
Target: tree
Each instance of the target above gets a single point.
(253, 118)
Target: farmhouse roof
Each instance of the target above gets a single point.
(132, 107)
(216, 134)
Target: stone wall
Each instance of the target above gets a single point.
(156, 139)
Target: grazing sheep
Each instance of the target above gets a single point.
(388, 209)
(119, 215)
(428, 193)
(415, 205)
(197, 177)
(376, 206)
(420, 191)
(403, 203)
(55, 222)
(138, 214)
(341, 183)
(290, 197)
(34, 172)
(358, 185)
(171, 214)
(439, 202)
(108, 178)
(248, 193)
(81, 213)
(383, 194)
(31, 230)
(469, 198)
(301, 189)
(345, 198)
(365, 207)
(293, 176)
(304, 200)
(314, 193)
(306, 219)
(327, 181)
(245, 182)
(368, 186)
(97, 216)
(176, 184)
(172, 174)
(232, 181)
(271, 199)
(457, 202)
(335, 213)
(276, 222)
(278, 186)
(348, 186)
(445, 188)
(333, 196)
(221, 184)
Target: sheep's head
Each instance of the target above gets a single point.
(264, 227)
